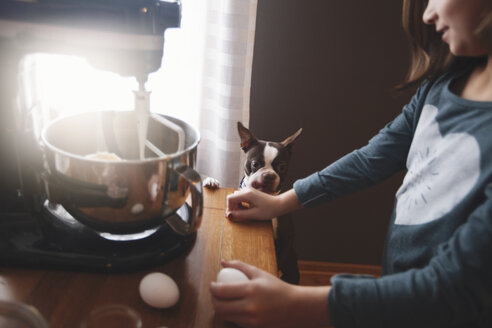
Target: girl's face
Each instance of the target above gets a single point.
(457, 20)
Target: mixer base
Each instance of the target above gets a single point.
(45, 241)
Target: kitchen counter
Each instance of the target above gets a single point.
(65, 298)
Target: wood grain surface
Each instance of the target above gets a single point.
(65, 298)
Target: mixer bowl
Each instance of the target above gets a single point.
(129, 194)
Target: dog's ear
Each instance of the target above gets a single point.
(247, 138)
(288, 142)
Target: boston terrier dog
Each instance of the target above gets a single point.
(265, 169)
(266, 161)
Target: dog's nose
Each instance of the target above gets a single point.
(268, 176)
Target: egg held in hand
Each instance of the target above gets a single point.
(159, 290)
(231, 275)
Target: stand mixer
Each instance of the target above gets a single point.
(58, 207)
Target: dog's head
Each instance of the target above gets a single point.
(266, 161)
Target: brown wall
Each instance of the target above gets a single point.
(329, 67)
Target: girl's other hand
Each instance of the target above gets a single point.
(267, 301)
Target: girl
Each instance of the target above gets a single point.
(437, 265)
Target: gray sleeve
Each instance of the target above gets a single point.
(383, 156)
(453, 289)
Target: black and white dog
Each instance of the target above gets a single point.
(265, 169)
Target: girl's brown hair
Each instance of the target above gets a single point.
(429, 56)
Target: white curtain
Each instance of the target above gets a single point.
(212, 52)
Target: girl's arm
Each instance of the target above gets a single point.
(383, 156)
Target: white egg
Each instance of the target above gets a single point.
(159, 290)
(231, 275)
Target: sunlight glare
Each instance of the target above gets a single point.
(69, 84)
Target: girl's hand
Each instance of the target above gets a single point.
(266, 301)
(256, 303)
(252, 204)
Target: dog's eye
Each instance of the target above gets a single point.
(255, 165)
(282, 167)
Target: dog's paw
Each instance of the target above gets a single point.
(211, 183)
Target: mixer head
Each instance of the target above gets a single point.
(123, 36)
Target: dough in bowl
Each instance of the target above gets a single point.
(104, 156)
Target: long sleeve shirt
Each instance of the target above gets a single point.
(437, 264)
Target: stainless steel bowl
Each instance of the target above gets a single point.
(128, 195)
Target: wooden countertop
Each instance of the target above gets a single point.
(65, 298)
